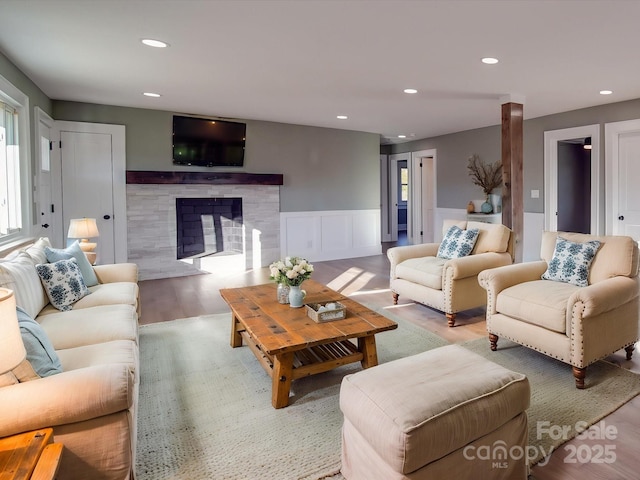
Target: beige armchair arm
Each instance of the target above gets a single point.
(117, 272)
(604, 296)
(66, 398)
(472, 265)
(397, 255)
(495, 280)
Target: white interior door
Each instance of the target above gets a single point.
(385, 213)
(87, 189)
(623, 161)
(93, 163)
(423, 200)
(48, 223)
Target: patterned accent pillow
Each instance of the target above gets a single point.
(571, 261)
(457, 242)
(63, 283)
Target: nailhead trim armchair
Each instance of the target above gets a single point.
(576, 325)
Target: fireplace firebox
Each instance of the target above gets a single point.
(209, 226)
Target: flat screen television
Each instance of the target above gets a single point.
(208, 142)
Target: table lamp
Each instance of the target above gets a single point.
(84, 229)
(12, 351)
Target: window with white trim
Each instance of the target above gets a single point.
(16, 198)
(10, 191)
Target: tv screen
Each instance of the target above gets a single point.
(208, 142)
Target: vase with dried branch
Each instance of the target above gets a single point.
(487, 176)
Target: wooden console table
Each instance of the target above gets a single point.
(30, 456)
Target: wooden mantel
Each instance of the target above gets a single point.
(205, 178)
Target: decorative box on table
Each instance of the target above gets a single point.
(320, 312)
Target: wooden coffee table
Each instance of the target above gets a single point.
(289, 345)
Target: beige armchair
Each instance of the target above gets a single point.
(577, 325)
(449, 285)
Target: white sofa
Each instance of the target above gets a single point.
(92, 404)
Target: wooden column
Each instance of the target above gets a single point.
(512, 189)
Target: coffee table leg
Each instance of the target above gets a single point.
(367, 345)
(236, 338)
(281, 379)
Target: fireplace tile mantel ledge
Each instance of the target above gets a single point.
(204, 178)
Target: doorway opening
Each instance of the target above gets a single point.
(402, 200)
(574, 185)
(572, 180)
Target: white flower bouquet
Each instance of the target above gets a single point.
(291, 271)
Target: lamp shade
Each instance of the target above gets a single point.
(12, 351)
(83, 228)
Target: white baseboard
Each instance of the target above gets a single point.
(330, 235)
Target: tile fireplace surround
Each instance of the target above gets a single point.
(152, 233)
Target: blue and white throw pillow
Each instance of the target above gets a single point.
(457, 242)
(571, 261)
(63, 283)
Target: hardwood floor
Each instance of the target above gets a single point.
(368, 278)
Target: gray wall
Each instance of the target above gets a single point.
(454, 186)
(324, 169)
(37, 98)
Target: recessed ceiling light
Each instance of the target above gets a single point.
(154, 43)
(402, 136)
(410, 90)
(342, 117)
(150, 94)
(490, 60)
(606, 92)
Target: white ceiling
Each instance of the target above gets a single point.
(306, 61)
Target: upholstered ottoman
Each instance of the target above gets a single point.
(427, 417)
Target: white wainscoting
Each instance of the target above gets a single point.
(330, 235)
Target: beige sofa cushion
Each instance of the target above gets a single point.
(493, 237)
(100, 324)
(19, 274)
(118, 293)
(107, 353)
(417, 409)
(425, 271)
(539, 302)
(616, 256)
(36, 251)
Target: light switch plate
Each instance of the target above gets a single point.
(535, 193)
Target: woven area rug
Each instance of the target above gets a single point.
(205, 408)
(555, 400)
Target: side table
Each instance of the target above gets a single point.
(30, 456)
